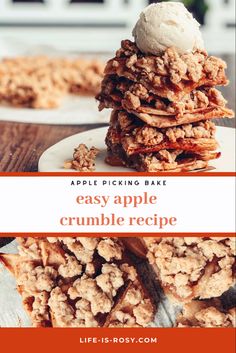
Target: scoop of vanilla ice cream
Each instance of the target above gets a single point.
(165, 25)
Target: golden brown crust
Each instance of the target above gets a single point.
(161, 161)
(10, 262)
(187, 144)
(168, 121)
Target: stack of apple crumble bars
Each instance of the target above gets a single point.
(163, 108)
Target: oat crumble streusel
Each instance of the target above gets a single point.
(83, 159)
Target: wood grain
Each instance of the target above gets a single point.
(22, 144)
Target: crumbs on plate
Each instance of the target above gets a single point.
(83, 159)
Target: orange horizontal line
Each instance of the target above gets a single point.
(120, 174)
(177, 234)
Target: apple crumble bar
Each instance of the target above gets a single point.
(190, 268)
(79, 282)
(42, 82)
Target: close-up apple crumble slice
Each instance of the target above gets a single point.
(79, 282)
(189, 267)
(194, 267)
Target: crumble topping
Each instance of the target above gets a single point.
(211, 317)
(82, 253)
(84, 314)
(85, 248)
(192, 267)
(150, 136)
(36, 279)
(40, 309)
(177, 66)
(88, 243)
(99, 291)
(130, 271)
(168, 74)
(62, 311)
(110, 280)
(126, 319)
(109, 249)
(90, 269)
(203, 129)
(71, 268)
(83, 159)
(134, 311)
(87, 288)
(162, 160)
(134, 296)
(143, 313)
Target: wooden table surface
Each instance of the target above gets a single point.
(22, 144)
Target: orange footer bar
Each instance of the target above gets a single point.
(112, 340)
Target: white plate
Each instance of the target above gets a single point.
(73, 110)
(52, 160)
